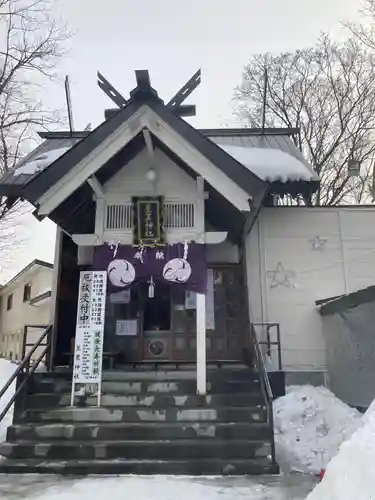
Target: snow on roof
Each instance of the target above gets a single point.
(271, 164)
(40, 162)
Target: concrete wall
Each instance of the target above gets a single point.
(350, 339)
(296, 256)
(12, 322)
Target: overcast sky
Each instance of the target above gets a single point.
(172, 39)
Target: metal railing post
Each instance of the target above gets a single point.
(23, 351)
(265, 385)
(25, 367)
(279, 346)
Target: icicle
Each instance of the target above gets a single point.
(186, 248)
(151, 288)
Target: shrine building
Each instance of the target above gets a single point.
(174, 254)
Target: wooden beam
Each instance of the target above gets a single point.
(143, 78)
(95, 186)
(185, 110)
(210, 238)
(215, 237)
(201, 345)
(148, 140)
(111, 92)
(185, 91)
(87, 240)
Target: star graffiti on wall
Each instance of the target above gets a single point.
(318, 243)
(281, 277)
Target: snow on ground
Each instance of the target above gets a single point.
(350, 474)
(6, 371)
(42, 487)
(310, 425)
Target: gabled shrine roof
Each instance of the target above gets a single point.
(258, 161)
(271, 155)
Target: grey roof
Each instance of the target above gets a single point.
(35, 262)
(278, 139)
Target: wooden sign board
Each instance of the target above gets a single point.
(148, 221)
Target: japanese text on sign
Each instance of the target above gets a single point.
(148, 223)
(90, 327)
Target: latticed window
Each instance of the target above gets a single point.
(176, 216)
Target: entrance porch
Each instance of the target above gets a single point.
(164, 328)
(160, 329)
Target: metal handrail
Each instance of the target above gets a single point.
(269, 343)
(25, 364)
(24, 337)
(265, 384)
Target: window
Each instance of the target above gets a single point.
(10, 302)
(27, 292)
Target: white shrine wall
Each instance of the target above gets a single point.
(298, 255)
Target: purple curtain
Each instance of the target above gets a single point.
(181, 265)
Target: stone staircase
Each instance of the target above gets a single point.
(149, 423)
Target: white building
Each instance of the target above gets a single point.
(25, 302)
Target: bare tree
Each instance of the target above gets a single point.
(328, 92)
(364, 30)
(31, 43)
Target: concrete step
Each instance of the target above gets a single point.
(157, 400)
(139, 431)
(239, 372)
(146, 450)
(139, 414)
(234, 373)
(207, 467)
(59, 386)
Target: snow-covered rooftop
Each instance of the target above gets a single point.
(271, 164)
(40, 162)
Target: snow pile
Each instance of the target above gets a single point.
(40, 162)
(310, 425)
(271, 164)
(6, 370)
(170, 488)
(350, 474)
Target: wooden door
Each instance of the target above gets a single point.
(224, 331)
(225, 340)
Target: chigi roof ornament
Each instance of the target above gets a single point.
(144, 87)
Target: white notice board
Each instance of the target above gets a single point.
(88, 351)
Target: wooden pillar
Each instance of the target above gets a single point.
(201, 298)
(201, 344)
(55, 296)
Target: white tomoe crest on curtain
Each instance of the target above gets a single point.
(121, 273)
(177, 270)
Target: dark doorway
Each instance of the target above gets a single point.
(66, 306)
(157, 310)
